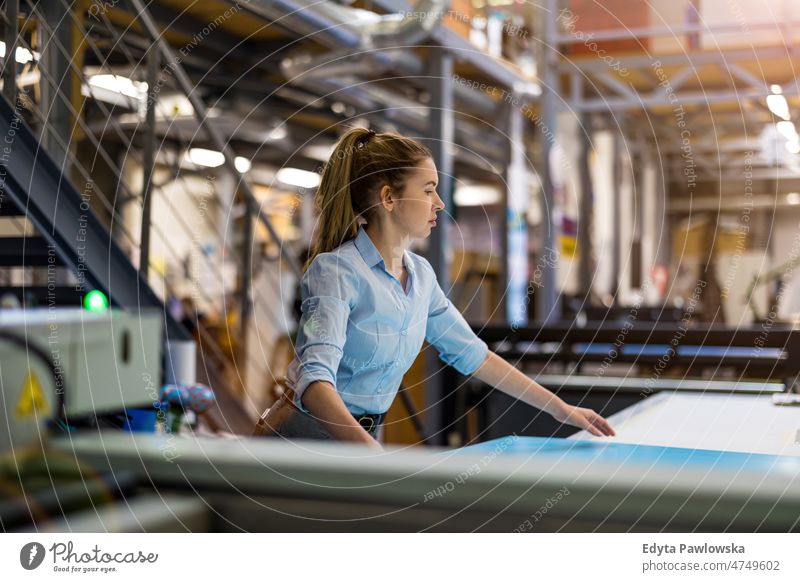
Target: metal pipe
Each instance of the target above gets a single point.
(650, 32)
(149, 161)
(315, 20)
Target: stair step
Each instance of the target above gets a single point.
(43, 296)
(28, 251)
(9, 208)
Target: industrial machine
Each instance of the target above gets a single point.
(74, 364)
(611, 366)
(683, 460)
(66, 373)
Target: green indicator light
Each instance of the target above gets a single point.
(95, 301)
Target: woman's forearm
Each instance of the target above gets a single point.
(496, 372)
(324, 403)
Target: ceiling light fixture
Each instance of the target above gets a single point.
(298, 177)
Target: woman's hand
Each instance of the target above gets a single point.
(584, 418)
(496, 372)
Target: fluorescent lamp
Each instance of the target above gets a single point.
(297, 177)
(528, 88)
(776, 89)
(119, 84)
(242, 164)
(214, 159)
(476, 195)
(787, 130)
(21, 54)
(319, 152)
(206, 158)
(793, 147)
(277, 134)
(793, 198)
(174, 105)
(778, 105)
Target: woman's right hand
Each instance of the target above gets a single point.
(586, 419)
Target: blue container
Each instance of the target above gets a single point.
(142, 419)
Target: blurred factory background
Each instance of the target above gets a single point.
(606, 166)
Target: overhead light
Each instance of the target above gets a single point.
(297, 177)
(214, 159)
(476, 195)
(174, 105)
(21, 54)
(242, 164)
(778, 105)
(206, 158)
(776, 89)
(793, 198)
(319, 152)
(276, 134)
(528, 88)
(787, 130)
(793, 147)
(119, 84)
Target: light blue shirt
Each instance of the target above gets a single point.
(361, 331)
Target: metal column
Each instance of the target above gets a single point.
(246, 277)
(637, 169)
(586, 213)
(440, 142)
(55, 100)
(515, 257)
(547, 302)
(616, 247)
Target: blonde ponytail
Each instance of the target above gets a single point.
(361, 163)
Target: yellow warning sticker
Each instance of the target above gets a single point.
(31, 400)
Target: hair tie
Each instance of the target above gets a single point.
(362, 142)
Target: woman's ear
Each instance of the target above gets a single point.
(387, 197)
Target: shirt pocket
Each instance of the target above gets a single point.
(389, 346)
(361, 346)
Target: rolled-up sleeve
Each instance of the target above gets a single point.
(449, 333)
(328, 289)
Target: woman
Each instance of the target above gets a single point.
(368, 303)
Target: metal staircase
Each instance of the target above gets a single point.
(69, 233)
(58, 240)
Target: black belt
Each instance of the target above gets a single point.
(370, 422)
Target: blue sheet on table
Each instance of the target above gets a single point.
(589, 451)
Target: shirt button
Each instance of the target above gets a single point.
(404, 332)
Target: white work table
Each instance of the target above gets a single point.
(722, 422)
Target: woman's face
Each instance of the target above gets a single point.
(417, 205)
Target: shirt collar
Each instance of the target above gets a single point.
(371, 254)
